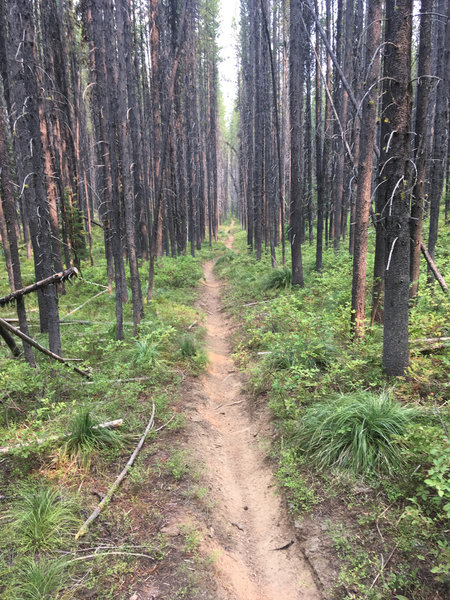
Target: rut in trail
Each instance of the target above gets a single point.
(247, 523)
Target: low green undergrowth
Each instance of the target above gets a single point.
(48, 412)
(342, 434)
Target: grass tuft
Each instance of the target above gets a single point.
(86, 436)
(188, 346)
(39, 580)
(356, 432)
(41, 518)
(278, 279)
(225, 258)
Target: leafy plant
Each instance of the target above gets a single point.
(300, 495)
(41, 518)
(357, 432)
(278, 279)
(86, 436)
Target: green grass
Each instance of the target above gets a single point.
(278, 279)
(42, 518)
(40, 580)
(358, 432)
(86, 436)
(188, 347)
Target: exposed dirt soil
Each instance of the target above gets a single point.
(256, 554)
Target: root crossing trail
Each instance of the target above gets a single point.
(247, 525)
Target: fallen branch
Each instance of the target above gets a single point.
(52, 438)
(231, 404)
(431, 340)
(119, 479)
(383, 567)
(9, 340)
(120, 380)
(84, 303)
(55, 278)
(89, 556)
(433, 267)
(285, 547)
(35, 344)
(431, 349)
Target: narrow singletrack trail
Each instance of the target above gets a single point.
(247, 524)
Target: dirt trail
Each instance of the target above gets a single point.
(248, 523)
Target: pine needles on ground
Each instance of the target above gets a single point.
(356, 432)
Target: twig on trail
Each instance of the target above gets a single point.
(231, 404)
(237, 525)
(84, 303)
(119, 479)
(383, 567)
(285, 547)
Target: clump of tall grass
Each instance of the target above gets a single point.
(86, 436)
(147, 353)
(225, 258)
(358, 432)
(188, 346)
(39, 579)
(278, 279)
(41, 518)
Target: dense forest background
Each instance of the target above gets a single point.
(120, 174)
(111, 118)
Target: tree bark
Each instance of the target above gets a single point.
(398, 92)
(363, 193)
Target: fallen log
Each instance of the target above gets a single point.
(26, 338)
(431, 340)
(52, 438)
(119, 479)
(433, 267)
(9, 340)
(55, 278)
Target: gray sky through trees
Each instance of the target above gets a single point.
(229, 9)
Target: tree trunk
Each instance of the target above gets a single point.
(363, 193)
(398, 92)
(296, 79)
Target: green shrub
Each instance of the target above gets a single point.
(358, 432)
(41, 518)
(278, 279)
